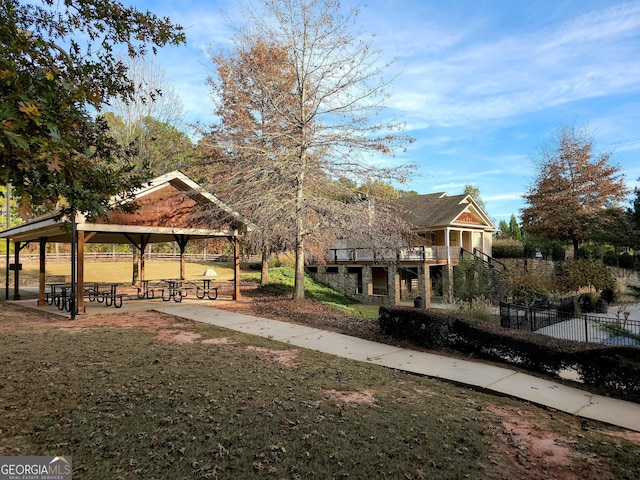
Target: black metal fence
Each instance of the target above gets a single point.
(570, 326)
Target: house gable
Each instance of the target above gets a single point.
(439, 210)
(468, 217)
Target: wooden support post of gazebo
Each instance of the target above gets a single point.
(236, 268)
(42, 275)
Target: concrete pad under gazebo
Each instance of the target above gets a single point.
(173, 208)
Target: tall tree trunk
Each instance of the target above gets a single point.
(264, 268)
(576, 245)
(298, 287)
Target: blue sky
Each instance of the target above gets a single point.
(482, 85)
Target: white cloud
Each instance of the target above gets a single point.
(585, 57)
(503, 197)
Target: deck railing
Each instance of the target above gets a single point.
(418, 254)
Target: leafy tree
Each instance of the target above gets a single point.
(52, 149)
(301, 93)
(573, 188)
(159, 147)
(633, 221)
(11, 205)
(616, 228)
(505, 232)
(407, 193)
(475, 194)
(514, 228)
(510, 230)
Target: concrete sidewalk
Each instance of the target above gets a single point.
(496, 379)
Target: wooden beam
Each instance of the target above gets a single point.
(16, 271)
(236, 268)
(182, 241)
(43, 273)
(80, 274)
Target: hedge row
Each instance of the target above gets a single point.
(553, 251)
(614, 369)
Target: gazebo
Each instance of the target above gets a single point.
(173, 208)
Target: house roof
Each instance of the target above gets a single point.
(172, 206)
(438, 210)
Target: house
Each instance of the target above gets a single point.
(445, 228)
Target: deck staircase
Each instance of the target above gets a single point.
(496, 267)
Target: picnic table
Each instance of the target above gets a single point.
(59, 296)
(148, 291)
(105, 292)
(176, 289)
(206, 289)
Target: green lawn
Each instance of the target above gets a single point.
(281, 280)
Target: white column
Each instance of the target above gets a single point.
(447, 242)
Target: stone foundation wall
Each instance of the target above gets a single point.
(344, 279)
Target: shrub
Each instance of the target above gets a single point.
(577, 274)
(590, 252)
(610, 258)
(627, 260)
(276, 289)
(480, 308)
(611, 367)
(530, 250)
(473, 279)
(531, 288)
(525, 349)
(615, 369)
(530, 295)
(507, 251)
(558, 253)
(283, 260)
(425, 327)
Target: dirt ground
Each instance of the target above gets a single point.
(529, 446)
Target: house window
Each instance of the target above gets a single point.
(312, 269)
(453, 239)
(332, 270)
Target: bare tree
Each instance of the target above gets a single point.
(322, 92)
(153, 95)
(574, 186)
(151, 118)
